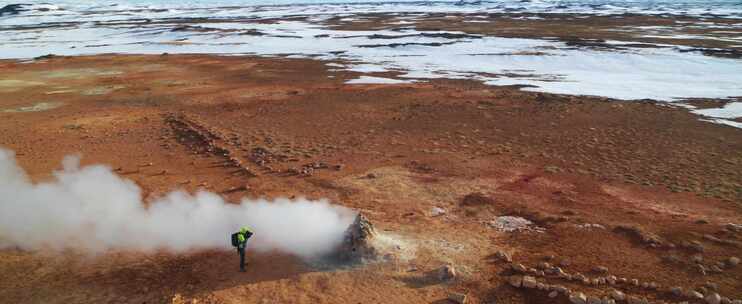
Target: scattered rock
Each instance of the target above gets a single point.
(713, 298)
(503, 256)
(732, 262)
(518, 267)
(437, 211)
(515, 281)
(512, 224)
(716, 269)
(553, 294)
(701, 269)
(529, 282)
(617, 295)
(594, 300)
(459, 298)
(695, 295)
(446, 273)
(639, 234)
(578, 298)
(590, 226)
(677, 291)
(543, 265)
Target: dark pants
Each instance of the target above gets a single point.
(241, 251)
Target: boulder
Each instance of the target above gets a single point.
(358, 240)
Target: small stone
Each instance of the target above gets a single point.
(529, 282)
(732, 262)
(594, 300)
(553, 294)
(635, 282)
(695, 295)
(578, 298)
(617, 295)
(515, 281)
(564, 263)
(437, 211)
(544, 265)
(701, 269)
(504, 256)
(677, 291)
(458, 298)
(560, 289)
(579, 277)
(518, 267)
(713, 298)
(611, 279)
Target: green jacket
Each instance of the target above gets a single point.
(243, 235)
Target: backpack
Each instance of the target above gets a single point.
(235, 239)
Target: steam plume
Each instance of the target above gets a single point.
(92, 209)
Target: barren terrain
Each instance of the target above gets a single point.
(643, 190)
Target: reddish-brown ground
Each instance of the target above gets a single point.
(391, 151)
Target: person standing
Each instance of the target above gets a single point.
(240, 238)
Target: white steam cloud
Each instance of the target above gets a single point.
(95, 210)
